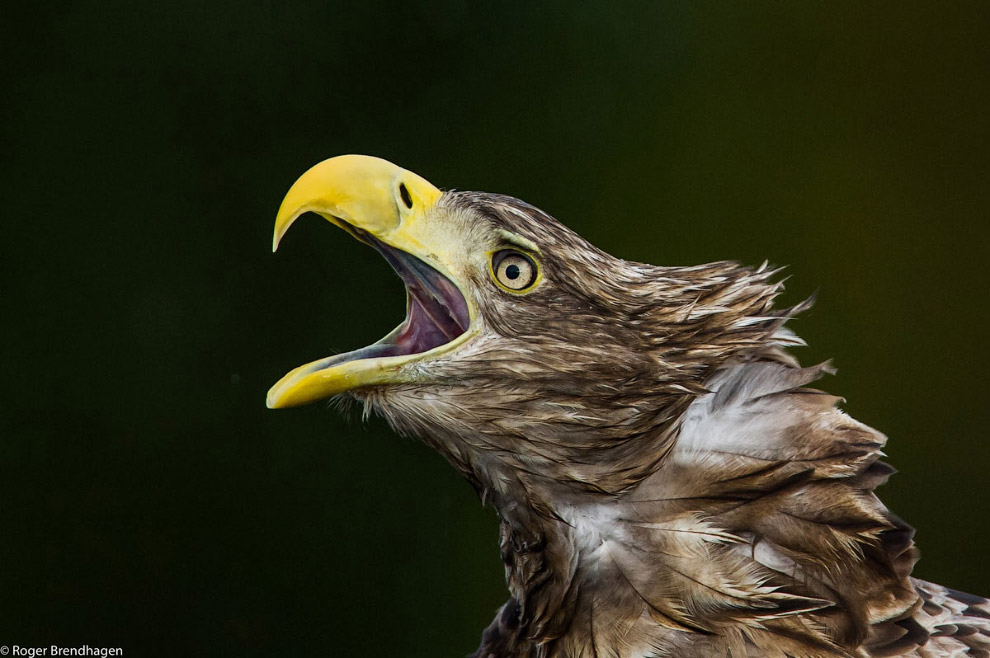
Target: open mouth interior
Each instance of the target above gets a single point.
(436, 312)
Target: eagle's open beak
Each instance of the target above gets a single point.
(388, 208)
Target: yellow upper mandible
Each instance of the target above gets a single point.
(360, 190)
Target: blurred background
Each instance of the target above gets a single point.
(149, 501)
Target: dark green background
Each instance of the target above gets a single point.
(148, 500)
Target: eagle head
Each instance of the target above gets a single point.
(527, 355)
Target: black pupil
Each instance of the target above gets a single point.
(512, 271)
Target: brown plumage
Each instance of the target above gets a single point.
(667, 482)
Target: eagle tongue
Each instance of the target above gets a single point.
(375, 350)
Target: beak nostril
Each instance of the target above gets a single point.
(404, 193)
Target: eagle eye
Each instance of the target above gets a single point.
(514, 270)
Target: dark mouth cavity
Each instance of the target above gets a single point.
(436, 312)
